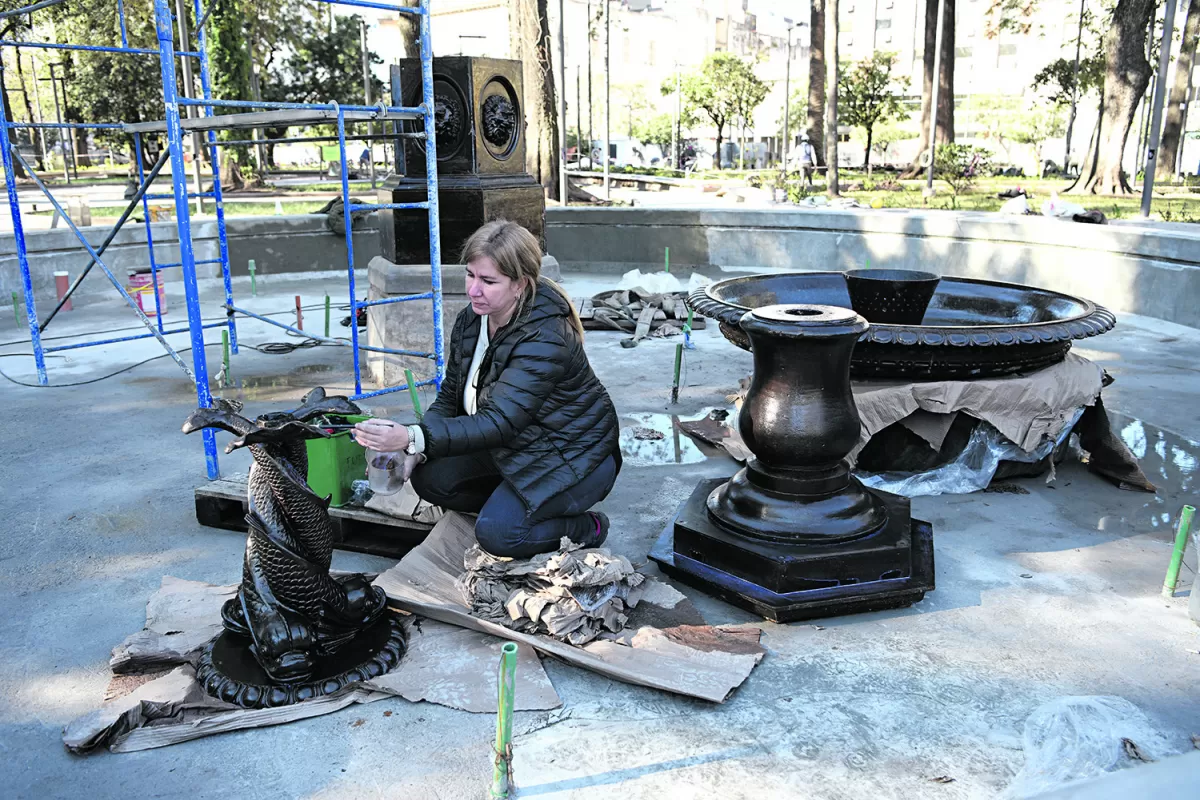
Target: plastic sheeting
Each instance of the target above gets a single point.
(1072, 739)
(974, 467)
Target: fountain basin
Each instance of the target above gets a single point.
(971, 328)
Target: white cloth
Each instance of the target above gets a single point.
(470, 393)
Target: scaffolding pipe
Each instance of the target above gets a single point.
(137, 198)
(183, 223)
(92, 252)
(10, 182)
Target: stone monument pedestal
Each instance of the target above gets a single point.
(408, 325)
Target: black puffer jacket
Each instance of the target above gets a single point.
(541, 411)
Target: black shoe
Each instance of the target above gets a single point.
(602, 524)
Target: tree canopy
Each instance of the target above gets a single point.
(726, 89)
(869, 95)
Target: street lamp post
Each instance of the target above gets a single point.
(787, 92)
(1160, 88)
(937, 82)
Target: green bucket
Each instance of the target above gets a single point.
(335, 463)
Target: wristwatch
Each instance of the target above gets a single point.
(411, 449)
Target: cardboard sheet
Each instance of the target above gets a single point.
(443, 664)
(697, 661)
(1025, 408)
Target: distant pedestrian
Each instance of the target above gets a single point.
(806, 158)
(364, 160)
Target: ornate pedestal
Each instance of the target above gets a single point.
(480, 153)
(794, 535)
(293, 632)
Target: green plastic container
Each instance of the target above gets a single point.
(335, 463)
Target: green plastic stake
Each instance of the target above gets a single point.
(1181, 534)
(666, 259)
(506, 684)
(225, 357)
(16, 308)
(678, 364)
(412, 393)
(326, 316)
(253, 283)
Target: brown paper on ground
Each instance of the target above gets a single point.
(442, 664)
(1026, 409)
(423, 582)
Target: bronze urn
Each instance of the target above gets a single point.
(794, 535)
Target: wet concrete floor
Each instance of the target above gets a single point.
(1048, 593)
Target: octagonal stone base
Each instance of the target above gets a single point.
(889, 569)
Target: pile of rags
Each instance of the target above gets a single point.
(573, 594)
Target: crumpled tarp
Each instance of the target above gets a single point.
(442, 664)
(1027, 409)
(981, 429)
(573, 594)
(666, 645)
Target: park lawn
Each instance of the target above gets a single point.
(1176, 205)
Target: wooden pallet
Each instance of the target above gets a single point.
(222, 504)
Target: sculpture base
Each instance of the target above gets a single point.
(890, 569)
(228, 670)
(465, 202)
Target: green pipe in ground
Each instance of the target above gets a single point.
(667, 259)
(412, 393)
(326, 316)
(502, 773)
(678, 364)
(253, 284)
(225, 357)
(1181, 534)
(17, 307)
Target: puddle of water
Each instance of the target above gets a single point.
(652, 439)
(1170, 461)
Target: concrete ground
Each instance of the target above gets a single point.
(1041, 594)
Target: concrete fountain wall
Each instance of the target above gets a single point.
(1142, 268)
(1148, 268)
(278, 244)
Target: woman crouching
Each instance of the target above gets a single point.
(522, 432)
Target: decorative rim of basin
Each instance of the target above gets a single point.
(1095, 319)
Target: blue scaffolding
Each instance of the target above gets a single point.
(243, 115)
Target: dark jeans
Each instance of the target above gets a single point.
(471, 484)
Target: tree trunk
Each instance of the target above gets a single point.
(720, 141)
(816, 81)
(867, 155)
(18, 170)
(40, 157)
(530, 42)
(1126, 76)
(1172, 133)
(945, 117)
(831, 97)
(409, 28)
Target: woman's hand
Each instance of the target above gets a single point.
(381, 434)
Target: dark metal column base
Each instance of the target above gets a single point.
(904, 554)
(228, 670)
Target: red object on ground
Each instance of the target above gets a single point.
(299, 315)
(62, 283)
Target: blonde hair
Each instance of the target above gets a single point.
(517, 255)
